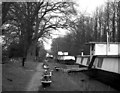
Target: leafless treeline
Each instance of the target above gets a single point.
(86, 28)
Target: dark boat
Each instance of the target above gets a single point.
(57, 68)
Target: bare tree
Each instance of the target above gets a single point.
(36, 19)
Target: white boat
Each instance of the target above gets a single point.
(46, 81)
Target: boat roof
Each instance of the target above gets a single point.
(89, 43)
(83, 55)
(112, 56)
(108, 56)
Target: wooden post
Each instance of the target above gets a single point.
(23, 61)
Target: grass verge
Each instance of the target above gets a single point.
(15, 77)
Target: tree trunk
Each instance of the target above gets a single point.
(113, 26)
(31, 53)
(118, 36)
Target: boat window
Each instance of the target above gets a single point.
(100, 61)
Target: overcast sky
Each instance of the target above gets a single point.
(89, 5)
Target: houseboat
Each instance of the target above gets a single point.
(64, 58)
(83, 60)
(103, 62)
(105, 57)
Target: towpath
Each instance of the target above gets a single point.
(34, 83)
